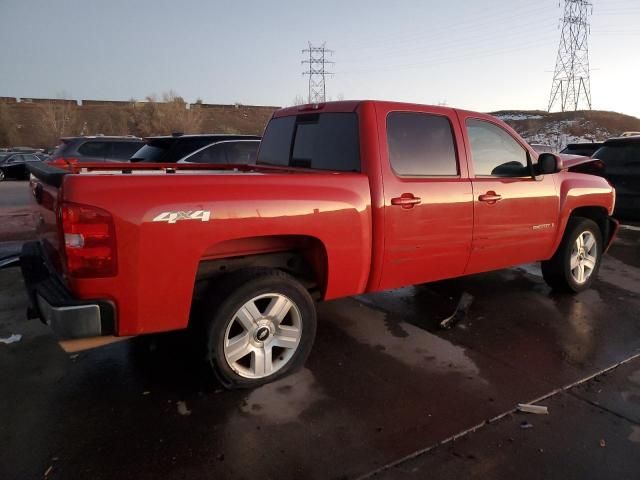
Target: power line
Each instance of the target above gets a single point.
(448, 59)
(445, 46)
(317, 63)
(571, 85)
(440, 29)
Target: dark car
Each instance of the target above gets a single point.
(171, 149)
(14, 165)
(231, 152)
(582, 149)
(621, 158)
(96, 149)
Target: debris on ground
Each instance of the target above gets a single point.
(537, 409)
(182, 408)
(525, 425)
(466, 299)
(13, 338)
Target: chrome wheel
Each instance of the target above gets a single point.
(584, 256)
(1, 175)
(262, 335)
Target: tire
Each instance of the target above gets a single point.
(257, 315)
(558, 271)
(3, 176)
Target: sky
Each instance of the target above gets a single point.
(479, 55)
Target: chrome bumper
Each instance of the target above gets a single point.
(77, 321)
(50, 300)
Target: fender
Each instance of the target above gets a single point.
(579, 190)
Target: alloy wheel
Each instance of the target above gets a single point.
(584, 257)
(262, 335)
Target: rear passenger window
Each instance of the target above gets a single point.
(495, 152)
(95, 149)
(212, 154)
(241, 153)
(125, 150)
(421, 144)
(184, 146)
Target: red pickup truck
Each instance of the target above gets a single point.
(346, 198)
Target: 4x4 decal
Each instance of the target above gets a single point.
(173, 217)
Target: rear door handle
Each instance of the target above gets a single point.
(490, 197)
(406, 200)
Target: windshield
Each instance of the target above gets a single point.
(324, 141)
(620, 154)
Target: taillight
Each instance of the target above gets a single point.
(89, 240)
(63, 161)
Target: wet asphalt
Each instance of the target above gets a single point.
(384, 393)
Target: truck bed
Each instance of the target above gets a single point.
(160, 248)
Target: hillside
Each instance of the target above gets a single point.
(559, 128)
(41, 122)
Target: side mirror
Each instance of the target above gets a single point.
(548, 163)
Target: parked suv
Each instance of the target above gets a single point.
(96, 149)
(171, 149)
(621, 158)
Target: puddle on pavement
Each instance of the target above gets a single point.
(403, 341)
(620, 274)
(283, 400)
(632, 395)
(436, 303)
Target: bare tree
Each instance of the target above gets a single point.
(167, 115)
(58, 119)
(298, 100)
(8, 126)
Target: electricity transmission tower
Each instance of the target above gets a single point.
(571, 87)
(317, 72)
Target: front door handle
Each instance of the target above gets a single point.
(406, 200)
(490, 197)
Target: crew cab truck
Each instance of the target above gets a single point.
(346, 198)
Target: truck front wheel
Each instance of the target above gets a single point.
(577, 260)
(262, 327)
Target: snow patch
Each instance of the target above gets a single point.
(517, 116)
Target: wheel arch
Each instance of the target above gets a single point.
(601, 217)
(598, 214)
(301, 256)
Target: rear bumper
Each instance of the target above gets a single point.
(51, 300)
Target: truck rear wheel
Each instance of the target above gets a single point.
(577, 260)
(261, 327)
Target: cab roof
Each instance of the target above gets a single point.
(352, 106)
